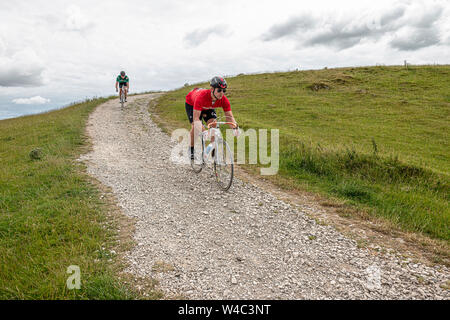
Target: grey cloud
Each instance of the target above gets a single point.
(428, 18)
(197, 37)
(23, 69)
(340, 37)
(423, 31)
(340, 34)
(347, 33)
(390, 17)
(289, 28)
(340, 43)
(12, 78)
(418, 39)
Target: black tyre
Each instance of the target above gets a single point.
(223, 165)
(122, 99)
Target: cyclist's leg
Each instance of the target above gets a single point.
(126, 90)
(210, 116)
(190, 115)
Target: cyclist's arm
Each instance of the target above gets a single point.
(117, 83)
(230, 118)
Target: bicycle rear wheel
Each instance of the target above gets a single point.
(223, 165)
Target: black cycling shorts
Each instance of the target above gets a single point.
(123, 84)
(205, 115)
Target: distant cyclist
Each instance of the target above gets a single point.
(124, 83)
(200, 104)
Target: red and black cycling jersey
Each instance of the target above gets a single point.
(201, 100)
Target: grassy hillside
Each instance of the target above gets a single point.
(374, 137)
(51, 215)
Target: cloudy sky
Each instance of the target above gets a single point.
(54, 52)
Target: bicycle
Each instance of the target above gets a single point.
(220, 155)
(122, 96)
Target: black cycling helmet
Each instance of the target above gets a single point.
(122, 73)
(218, 82)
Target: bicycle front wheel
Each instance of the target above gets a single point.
(223, 165)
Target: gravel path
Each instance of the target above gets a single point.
(203, 243)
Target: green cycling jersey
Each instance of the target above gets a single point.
(122, 80)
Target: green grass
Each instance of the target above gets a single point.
(375, 137)
(51, 215)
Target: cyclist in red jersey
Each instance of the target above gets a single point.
(200, 104)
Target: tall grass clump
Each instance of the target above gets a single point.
(414, 197)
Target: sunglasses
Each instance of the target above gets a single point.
(220, 90)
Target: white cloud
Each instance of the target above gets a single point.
(76, 20)
(2, 47)
(32, 100)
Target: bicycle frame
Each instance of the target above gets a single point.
(221, 151)
(215, 135)
(122, 95)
